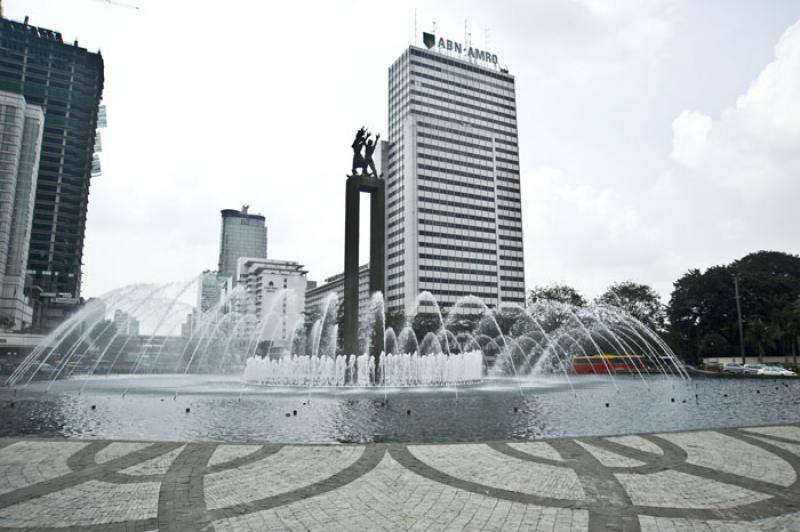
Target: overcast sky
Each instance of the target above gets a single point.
(655, 137)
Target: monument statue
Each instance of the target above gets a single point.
(364, 162)
(366, 181)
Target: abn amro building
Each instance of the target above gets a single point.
(454, 221)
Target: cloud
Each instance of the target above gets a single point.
(732, 189)
(690, 134)
(584, 40)
(753, 147)
(585, 235)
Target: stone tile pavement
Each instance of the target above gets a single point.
(712, 480)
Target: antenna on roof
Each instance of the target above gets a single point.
(119, 4)
(415, 26)
(434, 27)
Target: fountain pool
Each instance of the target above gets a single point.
(224, 409)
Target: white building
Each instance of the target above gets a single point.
(21, 127)
(242, 235)
(316, 296)
(273, 291)
(125, 324)
(453, 222)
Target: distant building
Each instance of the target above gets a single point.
(209, 290)
(66, 81)
(125, 324)
(453, 219)
(273, 293)
(242, 235)
(21, 127)
(316, 295)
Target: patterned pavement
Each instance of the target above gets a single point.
(713, 480)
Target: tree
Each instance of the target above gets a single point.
(759, 336)
(556, 292)
(703, 302)
(714, 345)
(507, 317)
(639, 300)
(264, 348)
(786, 330)
(425, 322)
(396, 320)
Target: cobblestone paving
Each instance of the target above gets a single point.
(714, 480)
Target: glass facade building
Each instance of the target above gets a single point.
(20, 145)
(66, 81)
(454, 220)
(242, 235)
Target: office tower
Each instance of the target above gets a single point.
(243, 235)
(209, 290)
(66, 81)
(454, 222)
(21, 139)
(273, 292)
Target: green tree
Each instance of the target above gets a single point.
(758, 334)
(714, 345)
(556, 292)
(639, 300)
(703, 302)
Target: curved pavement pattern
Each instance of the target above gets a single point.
(713, 480)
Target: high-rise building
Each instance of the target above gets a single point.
(273, 291)
(209, 290)
(21, 127)
(453, 222)
(66, 81)
(242, 235)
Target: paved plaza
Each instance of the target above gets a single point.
(717, 480)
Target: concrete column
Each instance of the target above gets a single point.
(376, 187)
(351, 235)
(377, 259)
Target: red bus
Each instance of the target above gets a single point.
(608, 364)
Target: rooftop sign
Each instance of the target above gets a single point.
(430, 41)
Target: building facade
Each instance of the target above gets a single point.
(21, 127)
(454, 221)
(209, 290)
(273, 292)
(242, 235)
(125, 323)
(66, 81)
(317, 295)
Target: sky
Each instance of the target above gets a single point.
(655, 136)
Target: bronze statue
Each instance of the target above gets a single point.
(369, 149)
(364, 162)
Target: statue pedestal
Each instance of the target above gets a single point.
(376, 187)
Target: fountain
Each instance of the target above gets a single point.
(467, 344)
